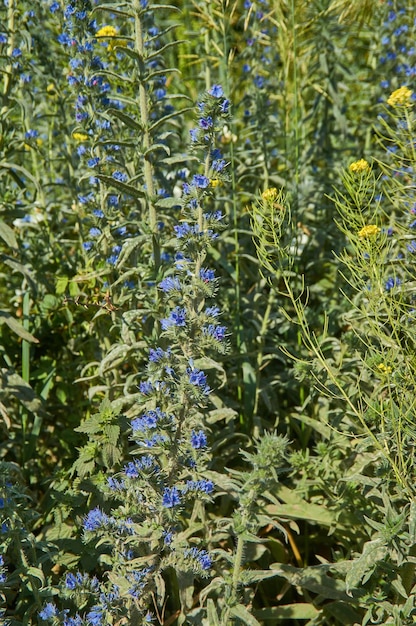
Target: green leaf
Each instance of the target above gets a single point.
(167, 203)
(295, 507)
(212, 615)
(343, 612)
(16, 327)
(34, 572)
(288, 611)
(361, 569)
(314, 578)
(61, 284)
(242, 613)
(134, 192)
(126, 119)
(7, 234)
(16, 386)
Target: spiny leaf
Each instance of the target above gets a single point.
(16, 327)
(134, 192)
(126, 119)
(7, 234)
(301, 610)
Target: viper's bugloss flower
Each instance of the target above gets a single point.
(216, 91)
(217, 332)
(200, 181)
(201, 556)
(148, 420)
(212, 311)
(95, 519)
(95, 616)
(198, 439)
(121, 176)
(204, 486)
(198, 378)
(48, 611)
(93, 162)
(176, 318)
(171, 497)
(206, 275)
(206, 122)
(391, 283)
(170, 283)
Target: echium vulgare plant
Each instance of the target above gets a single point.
(148, 524)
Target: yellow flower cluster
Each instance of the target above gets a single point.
(79, 136)
(371, 230)
(269, 195)
(215, 182)
(400, 97)
(106, 31)
(110, 31)
(385, 369)
(358, 167)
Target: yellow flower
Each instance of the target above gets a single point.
(269, 195)
(79, 136)
(214, 182)
(110, 31)
(51, 90)
(400, 97)
(371, 230)
(358, 167)
(106, 31)
(385, 369)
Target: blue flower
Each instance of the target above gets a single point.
(206, 122)
(170, 497)
(205, 486)
(95, 616)
(31, 134)
(93, 162)
(204, 560)
(170, 283)
(216, 91)
(95, 519)
(198, 439)
(156, 355)
(207, 275)
(121, 176)
(392, 282)
(217, 332)
(176, 318)
(198, 378)
(48, 612)
(212, 311)
(94, 232)
(200, 181)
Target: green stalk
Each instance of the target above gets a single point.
(8, 73)
(25, 372)
(147, 139)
